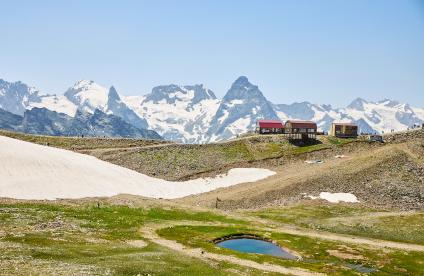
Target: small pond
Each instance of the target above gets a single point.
(249, 245)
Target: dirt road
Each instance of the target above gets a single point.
(149, 232)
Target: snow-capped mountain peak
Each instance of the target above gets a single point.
(16, 96)
(119, 108)
(357, 104)
(83, 84)
(239, 110)
(113, 95)
(389, 103)
(242, 89)
(192, 113)
(177, 112)
(88, 95)
(175, 93)
(200, 93)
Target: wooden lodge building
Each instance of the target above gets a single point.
(304, 130)
(269, 127)
(344, 130)
(295, 129)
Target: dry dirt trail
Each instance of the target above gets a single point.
(374, 243)
(270, 225)
(149, 232)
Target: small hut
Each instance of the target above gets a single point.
(269, 127)
(304, 130)
(344, 130)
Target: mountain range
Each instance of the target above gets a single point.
(188, 114)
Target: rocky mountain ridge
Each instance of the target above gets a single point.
(47, 122)
(193, 114)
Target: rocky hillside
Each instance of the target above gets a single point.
(381, 175)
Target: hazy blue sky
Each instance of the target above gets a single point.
(320, 51)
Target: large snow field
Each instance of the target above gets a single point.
(31, 171)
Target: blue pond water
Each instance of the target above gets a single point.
(256, 246)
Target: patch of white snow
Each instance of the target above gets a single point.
(31, 171)
(336, 197)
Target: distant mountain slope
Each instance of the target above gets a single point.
(46, 122)
(84, 97)
(190, 113)
(89, 96)
(59, 103)
(16, 96)
(178, 113)
(382, 116)
(9, 120)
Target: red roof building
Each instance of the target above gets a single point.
(269, 126)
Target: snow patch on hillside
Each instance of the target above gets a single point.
(336, 197)
(31, 171)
